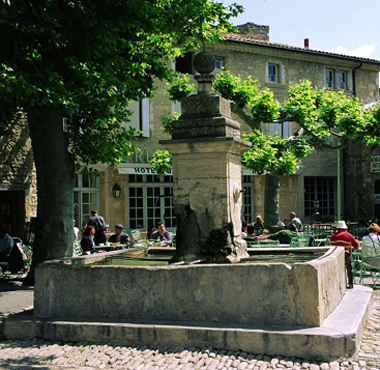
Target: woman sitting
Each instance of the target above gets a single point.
(87, 242)
(259, 225)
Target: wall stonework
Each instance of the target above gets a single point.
(18, 174)
(254, 30)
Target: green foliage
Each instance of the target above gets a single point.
(88, 59)
(161, 162)
(166, 122)
(273, 154)
(233, 88)
(322, 112)
(179, 88)
(246, 94)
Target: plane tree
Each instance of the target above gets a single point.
(85, 61)
(326, 119)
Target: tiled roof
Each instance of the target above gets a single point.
(246, 39)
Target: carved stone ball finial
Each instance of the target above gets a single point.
(204, 63)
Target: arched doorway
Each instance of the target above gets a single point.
(377, 199)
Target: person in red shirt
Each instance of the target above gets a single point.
(343, 236)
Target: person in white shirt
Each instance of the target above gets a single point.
(372, 239)
(76, 231)
(6, 244)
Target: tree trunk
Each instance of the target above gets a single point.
(55, 184)
(271, 199)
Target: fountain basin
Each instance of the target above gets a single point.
(189, 306)
(263, 293)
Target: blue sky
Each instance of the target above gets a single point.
(349, 27)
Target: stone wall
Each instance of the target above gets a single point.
(17, 173)
(254, 30)
(303, 294)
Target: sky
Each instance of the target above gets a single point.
(349, 27)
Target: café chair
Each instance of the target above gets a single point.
(370, 262)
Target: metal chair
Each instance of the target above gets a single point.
(299, 242)
(251, 242)
(78, 251)
(370, 262)
(268, 243)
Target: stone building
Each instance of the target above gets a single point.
(129, 193)
(18, 193)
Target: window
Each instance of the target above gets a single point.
(219, 63)
(184, 64)
(150, 200)
(329, 79)
(86, 197)
(321, 188)
(140, 117)
(177, 107)
(281, 129)
(273, 73)
(247, 206)
(336, 80)
(342, 81)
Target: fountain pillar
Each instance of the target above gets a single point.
(206, 146)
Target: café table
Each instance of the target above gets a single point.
(110, 246)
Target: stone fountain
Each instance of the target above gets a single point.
(207, 148)
(298, 310)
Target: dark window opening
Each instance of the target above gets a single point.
(184, 64)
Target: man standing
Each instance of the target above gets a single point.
(344, 239)
(100, 227)
(161, 234)
(119, 236)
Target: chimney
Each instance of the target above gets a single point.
(306, 44)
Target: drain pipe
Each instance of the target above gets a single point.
(354, 92)
(354, 78)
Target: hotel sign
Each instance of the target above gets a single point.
(375, 163)
(135, 169)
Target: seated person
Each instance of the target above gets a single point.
(372, 238)
(161, 234)
(283, 236)
(250, 230)
(259, 225)
(293, 219)
(6, 244)
(84, 227)
(120, 237)
(244, 227)
(87, 242)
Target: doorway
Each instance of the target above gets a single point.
(377, 199)
(12, 212)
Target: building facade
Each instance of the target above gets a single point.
(131, 194)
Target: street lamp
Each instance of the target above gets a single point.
(116, 191)
(316, 206)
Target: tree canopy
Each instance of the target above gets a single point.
(85, 60)
(88, 59)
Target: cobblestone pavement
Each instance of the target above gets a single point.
(46, 355)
